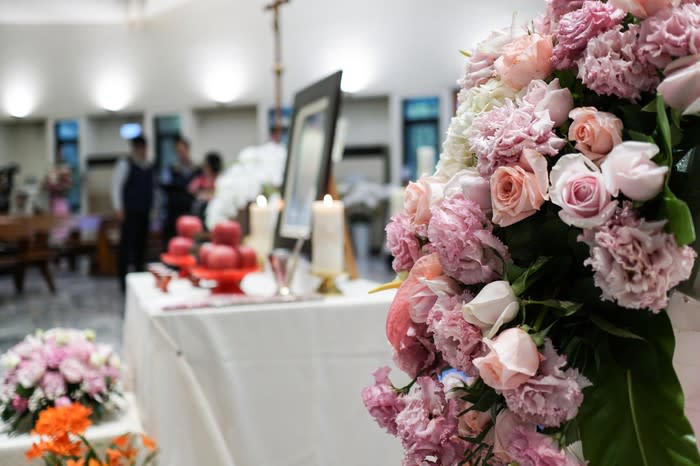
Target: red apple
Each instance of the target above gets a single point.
(188, 226)
(223, 257)
(179, 246)
(204, 251)
(249, 257)
(227, 232)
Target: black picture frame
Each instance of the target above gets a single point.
(321, 102)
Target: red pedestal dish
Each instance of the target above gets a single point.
(183, 263)
(228, 281)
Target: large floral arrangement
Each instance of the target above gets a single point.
(62, 441)
(58, 181)
(259, 169)
(56, 368)
(535, 265)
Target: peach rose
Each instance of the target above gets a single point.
(419, 198)
(525, 59)
(643, 8)
(512, 361)
(595, 133)
(518, 192)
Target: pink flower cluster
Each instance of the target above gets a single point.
(611, 66)
(56, 367)
(499, 137)
(402, 242)
(579, 26)
(636, 263)
(462, 237)
(671, 33)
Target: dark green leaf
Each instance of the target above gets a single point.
(680, 220)
(530, 276)
(612, 329)
(664, 127)
(650, 107)
(637, 136)
(567, 308)
(630, 419)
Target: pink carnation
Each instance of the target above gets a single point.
(416, 353)
(480, 67)
(636, 263)
(402, 242)
(610, 65)
(53, 385)
(500, 136)
(462, 237)
(30, 371)
(580, 26)
(558, 8)
(673, 32)
(53, 355)
(94, 384)
(530, 448)
(73, 370)
(427, 426)
(550, 398)
(20, 404)
(458, 341)
(382, 401)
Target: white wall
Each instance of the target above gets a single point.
(225, 130)
(25, 143)
(395, 46)
(368, 120)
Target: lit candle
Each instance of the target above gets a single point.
(425, 157)
(263, 218)
(396, 200)
(327, 242)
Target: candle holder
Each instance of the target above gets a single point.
(328, 286)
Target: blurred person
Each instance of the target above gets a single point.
(132, 198)
(202, 187)
(177, 198)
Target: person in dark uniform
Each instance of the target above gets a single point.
(178, 200)
(132, 198)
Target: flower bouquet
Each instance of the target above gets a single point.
(58, 181)
(535, 265)
(56, 368)
(62, 441)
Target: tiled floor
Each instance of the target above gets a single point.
(83, 301)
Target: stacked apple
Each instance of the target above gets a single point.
(187, 226)
(226, 251)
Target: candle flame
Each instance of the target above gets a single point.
(327, 199)
(261, 201)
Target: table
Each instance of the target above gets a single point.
(12, 448)
(259, 385)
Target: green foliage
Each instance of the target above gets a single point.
(633, 417)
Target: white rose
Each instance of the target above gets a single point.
(10, 360)
(629, 168)
(89, 334)
(62, 338)
(114, 361)
(494, 306)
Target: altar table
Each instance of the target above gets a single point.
(259, 385)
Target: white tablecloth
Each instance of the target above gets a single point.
(12, 449)
(264, 385)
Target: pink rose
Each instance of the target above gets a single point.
(512, 361)
(579, 189)
(595, 133)
(518, 192)
(681, 88)
(72, 369)
(629, 169)
(474, 187)
(551, 97)
(644, 8)
(419, 198)
(525, 59)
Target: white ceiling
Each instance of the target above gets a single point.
(81, 11)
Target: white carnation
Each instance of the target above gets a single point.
(10, 360)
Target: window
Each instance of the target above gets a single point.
(68, 153)
(421, 127)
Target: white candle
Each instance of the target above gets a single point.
(425, 161)
(263, 219)
(396, 200)
(327, 242)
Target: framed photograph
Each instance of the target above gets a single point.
(309, 153)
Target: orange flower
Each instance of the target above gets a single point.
(122, 441)
(114, 457)
(53, 422)
(80, 462)
(94, 462)
(148, 442)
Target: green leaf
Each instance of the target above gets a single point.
(612, 329)
(651, 107)
(566, 308)
(664, 128)
(529, 276)
(680, 220)
(634, 419)
(637, 136)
